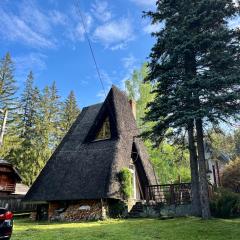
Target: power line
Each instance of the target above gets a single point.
(78, 10)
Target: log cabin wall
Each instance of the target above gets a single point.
(7, 180)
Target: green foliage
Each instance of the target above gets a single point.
(231, 175)
(194, 65)
(8, 99)
(70, 111)
(8, 86)
(225, 204)
(170, 161)
(125, 177)
(224, 142)
(117, 209)
(35, 124)
(139, 91)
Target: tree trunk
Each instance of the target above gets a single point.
(203, 184)
(196, 204)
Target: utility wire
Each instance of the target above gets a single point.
(78, 10)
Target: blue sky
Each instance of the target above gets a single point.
(47, 37)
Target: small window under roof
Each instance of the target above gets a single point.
(105, 131)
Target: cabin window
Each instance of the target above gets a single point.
(104, 132)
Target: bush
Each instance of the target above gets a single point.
(125, 177)
(117, 209)
(231, 175)
(225, 204)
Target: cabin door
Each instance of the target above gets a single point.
(134, 190)
(140, 179)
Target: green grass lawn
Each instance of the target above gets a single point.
(147, 229)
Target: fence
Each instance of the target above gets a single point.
(15, 204)
(169, 194)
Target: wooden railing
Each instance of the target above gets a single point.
(169, 194)
(7, 188)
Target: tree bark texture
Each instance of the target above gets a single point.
(196, 203)
(203, 184)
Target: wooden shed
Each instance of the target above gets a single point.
(9, 177)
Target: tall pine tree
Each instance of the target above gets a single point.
(70, 112)
(195, 68)
(8, 86)
(8, 100)
(25, 156)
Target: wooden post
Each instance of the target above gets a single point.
(218, 174)
(3, 127)
(214, 175)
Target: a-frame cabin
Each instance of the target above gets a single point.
(80, 180)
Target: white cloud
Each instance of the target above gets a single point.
(15, 28)
(145, 2)
(114, 34)
(58, 18)
(129, 62)
(79, 31)
(32, 26)
(34, 17)
(101, 11)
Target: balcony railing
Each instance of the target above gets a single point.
(169, 194)
(7, 188)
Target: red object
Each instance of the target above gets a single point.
(7, 216)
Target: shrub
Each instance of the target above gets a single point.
(231, 175)
(225, 204)
(125, 177)
(117, 209)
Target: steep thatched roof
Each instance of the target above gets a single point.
(83, 169)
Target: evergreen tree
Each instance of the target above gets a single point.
(25, 156)
(29, 108)
(8, 100)
(7, 84)
(195, 68)
(70, 112)
(50, 117)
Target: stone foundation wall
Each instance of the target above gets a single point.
(157, 210)
(177, 211)
(77, 211)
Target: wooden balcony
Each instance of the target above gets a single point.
(7, 188)
(169, 194)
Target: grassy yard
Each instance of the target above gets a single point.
(146, 229)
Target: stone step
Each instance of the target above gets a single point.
(137, 210)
